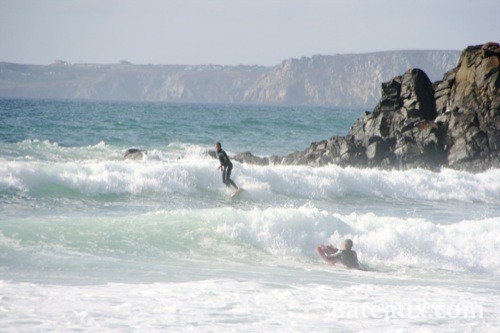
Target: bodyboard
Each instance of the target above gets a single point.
(323, 255)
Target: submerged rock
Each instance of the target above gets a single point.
(452, 123)
(134, 154)
(247, 157)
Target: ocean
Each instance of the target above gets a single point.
(92, 242)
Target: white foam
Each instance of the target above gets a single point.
(229, 305)
(333, 181)
(179, 167)
(92, 177)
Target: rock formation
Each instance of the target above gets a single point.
(134, 154)
(452, 123)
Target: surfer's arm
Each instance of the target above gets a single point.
(221, 161)
(329, 250)
(336, 256)
(357, 264)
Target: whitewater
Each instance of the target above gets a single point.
(92, 242)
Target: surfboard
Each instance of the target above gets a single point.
(235, 193)
(321, 251)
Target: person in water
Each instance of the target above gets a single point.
(225, 166)
(347, 256)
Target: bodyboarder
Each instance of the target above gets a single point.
(347, 256)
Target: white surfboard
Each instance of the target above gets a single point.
(236, 193)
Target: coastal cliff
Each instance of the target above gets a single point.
(342, 80)
(454, 122)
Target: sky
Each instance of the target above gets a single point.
(233, 32)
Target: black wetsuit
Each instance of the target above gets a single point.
(348, 258)
(227, 166)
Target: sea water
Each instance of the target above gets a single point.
(92, 242)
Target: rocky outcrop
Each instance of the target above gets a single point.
(470, 109)
(453, 123)
(134, 154)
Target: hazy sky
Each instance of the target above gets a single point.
(232, 32)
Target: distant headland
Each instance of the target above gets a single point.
(332, 80)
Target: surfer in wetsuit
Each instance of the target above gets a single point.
(347, 256)
(225, 166)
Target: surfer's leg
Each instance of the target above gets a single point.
(232, 183)
(224, 176)
(228, 177)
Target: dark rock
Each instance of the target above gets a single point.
(134, 154)
(376, 152)
(442, 91)
(474, 123)
(390, 100)
(248, 157)
(212, 153)
(418, 95)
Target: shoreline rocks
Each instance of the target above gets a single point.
(451, 123)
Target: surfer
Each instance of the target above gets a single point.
(347, 256)
(225, 166)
